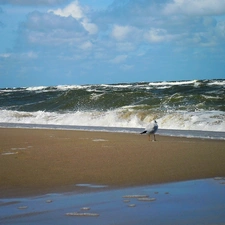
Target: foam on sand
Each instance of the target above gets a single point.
(147, 199)
(135, 196)
(82, 214)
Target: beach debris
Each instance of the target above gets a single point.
(85, 208)
(10, 153)
(99, 140)
(23, 207)
(135, 196)
(147, 199)
(48, 201)
(132, 205)
(14, 149)
(219, 178)
(91, 185)
(82, 214)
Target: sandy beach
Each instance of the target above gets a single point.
(80, 177)
(36, 161)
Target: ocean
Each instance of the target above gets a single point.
(193, 108)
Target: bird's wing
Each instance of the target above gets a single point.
(155, 127)
(150, 127)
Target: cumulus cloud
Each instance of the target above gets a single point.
(157, 35)
(177, 21)
(86, 45)
(90, 27)
(130, 35)
(195, 7)
(126, 25)
(121, 32)
(33, 2)
(73, 9)
(50, 30)
(76, 11)
(48, 21)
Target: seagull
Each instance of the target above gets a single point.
(151, 129)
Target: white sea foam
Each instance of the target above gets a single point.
(211, 97)
(116, 85)
(200, 120)
(182, 120)
(38, 88)
(70, 87)
(219, 82)
(166, 83)
(160, 85)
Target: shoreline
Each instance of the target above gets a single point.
(40, 161)
(211, 135)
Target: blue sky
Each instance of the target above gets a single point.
(56, 42)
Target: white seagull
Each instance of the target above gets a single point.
(151, 129)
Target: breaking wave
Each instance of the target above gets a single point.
(184, 105)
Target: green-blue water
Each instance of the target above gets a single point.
(184, 105)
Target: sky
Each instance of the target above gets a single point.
(69, 42)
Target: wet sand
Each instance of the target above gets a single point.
(43, 161)
(191, 202)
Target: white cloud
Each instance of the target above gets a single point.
(121, 32)
(86, 45)
(47, 29)
(195, 7)
(90, 27)
(57, 37)
(119, 59)
(73, 9)
(157, 35)
(124, 38)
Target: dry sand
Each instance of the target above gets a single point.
(36, 161)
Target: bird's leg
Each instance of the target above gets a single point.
(154, 138)
(149, 138)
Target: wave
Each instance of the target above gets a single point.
(186, 105)
(172, 83)
(217, 82)
(141, 85)
(182, 120)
